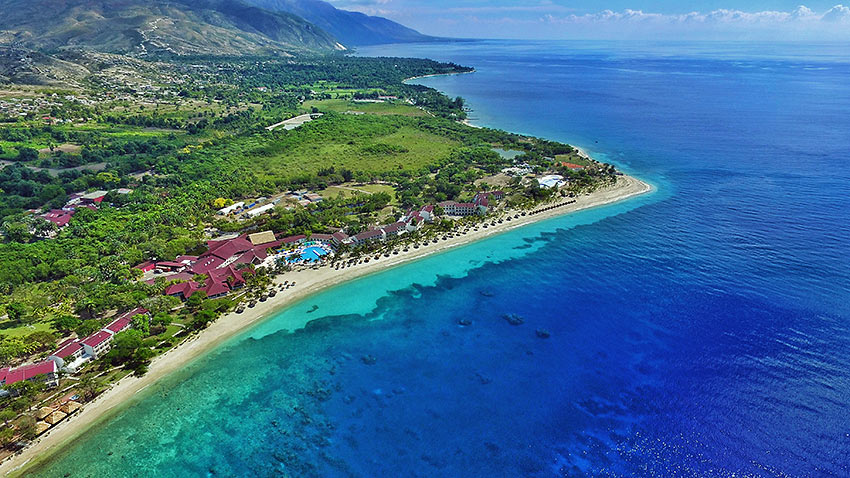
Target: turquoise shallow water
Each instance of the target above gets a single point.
(697, 332)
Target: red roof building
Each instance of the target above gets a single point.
(339, 237)
(206, 264)
(146, 266)
(43, 370)
(132, 313)
(293, 239)
(119, 325)
(68, 348)
(229, 248)
(324, 238)
(395, 229)
(60, 217)
(183, 290)
(367, 236)
(453, 208)
(97, 343)
(216, 289)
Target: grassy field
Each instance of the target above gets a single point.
(43, 141)
(357, 143)
(572, 158)
(8, 329)
(344, 105)
(350, 189)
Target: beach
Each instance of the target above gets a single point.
(308, 282)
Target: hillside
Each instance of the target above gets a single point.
(351, 28)
(181, 27)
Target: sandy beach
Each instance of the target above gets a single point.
(438, 74)
(309, 281)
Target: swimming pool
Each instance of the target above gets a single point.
(313, 253)
(310, 253)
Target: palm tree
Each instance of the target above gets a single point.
(89, 387)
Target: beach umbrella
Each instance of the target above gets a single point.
(55, 417)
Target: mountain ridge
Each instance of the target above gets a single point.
(178, 27)
(351, 28)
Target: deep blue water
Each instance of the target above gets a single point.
(701, 331)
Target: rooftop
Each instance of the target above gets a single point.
(118, 325)
(97, 338)
(9, 376)
(67, 348)
(261, 238)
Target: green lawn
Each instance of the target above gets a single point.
(358, 143)
(350, 189)
(9, 329)
(343, 105)
(572, 158)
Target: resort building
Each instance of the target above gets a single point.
(293, 239)
(95, 197)
(394, 230)
(98, 343)
(60, 217)
(183, 290)
(340, 237)
(44, 371)
(220, 264)
(453, 208)
(235, 207)
(368, 236)
(488, 195)
(260, 238)
(323, 238)
(551, 181)
(222, 281)
(163, 266)
(68, 351)
(426, 214)
(259, 211)
(414, 223)
(118, 325)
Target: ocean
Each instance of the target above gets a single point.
(700, 331)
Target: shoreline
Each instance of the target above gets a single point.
(308, 283)
(437, 74)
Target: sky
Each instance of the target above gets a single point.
(617, 19)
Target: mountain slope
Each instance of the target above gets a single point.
(222, 27)
(351, 28)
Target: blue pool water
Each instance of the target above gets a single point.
(701, 331)
(309, 254)
(313, 253)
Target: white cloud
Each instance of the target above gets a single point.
(719, 16)
(542, 19)
(838, 13)
(800, 23)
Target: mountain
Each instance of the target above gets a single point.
(34, 68)
(223, 27)
(351, 28)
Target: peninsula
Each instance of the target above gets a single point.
(158, 209)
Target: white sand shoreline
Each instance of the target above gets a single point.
(438, 74)
(308, 282)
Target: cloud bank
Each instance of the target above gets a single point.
(545, 19)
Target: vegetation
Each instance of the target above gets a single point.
(187, 148)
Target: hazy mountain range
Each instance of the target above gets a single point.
(222, 27)
(350, 28)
